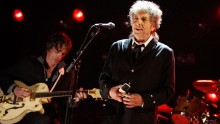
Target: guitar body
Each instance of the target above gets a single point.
(13, 109)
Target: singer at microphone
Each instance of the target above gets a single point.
(109, 25)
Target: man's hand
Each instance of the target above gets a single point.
(22, 92)
(115, 94)
(80, 95)
(132, 100)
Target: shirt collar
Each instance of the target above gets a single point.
(59, 66)
(42, 60)
(145, 43)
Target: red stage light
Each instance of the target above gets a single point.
(18, 15)
(78, 15)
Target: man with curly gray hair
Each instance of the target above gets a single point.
(144, 65)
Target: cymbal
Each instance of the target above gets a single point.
(207, 86)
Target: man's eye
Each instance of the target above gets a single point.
(57, 51)
(134, 19)
(144, 19)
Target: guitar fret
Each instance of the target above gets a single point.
(53, 94)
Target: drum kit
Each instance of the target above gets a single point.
(195, 110)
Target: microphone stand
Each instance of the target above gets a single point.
(75, 63)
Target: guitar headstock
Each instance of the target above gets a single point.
(95, 93)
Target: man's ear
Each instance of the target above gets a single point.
(153, 29)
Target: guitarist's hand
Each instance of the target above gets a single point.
(80, 95)
(22, 92)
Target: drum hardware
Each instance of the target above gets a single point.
(188, 110)
(198, 110)
(204, 117)
(208, 103)
(188, 96)
(162, 117)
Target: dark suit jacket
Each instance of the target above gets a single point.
(152, 75)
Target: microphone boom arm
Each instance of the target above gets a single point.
(80, 52)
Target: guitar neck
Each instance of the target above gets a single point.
(51, 94)
(56, 94)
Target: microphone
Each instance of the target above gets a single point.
(109, 25)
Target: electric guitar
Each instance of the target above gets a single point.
(13, 109)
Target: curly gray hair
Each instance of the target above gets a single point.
(148, 7)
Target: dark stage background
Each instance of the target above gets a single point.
(190, 27)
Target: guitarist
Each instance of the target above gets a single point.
(48, 68)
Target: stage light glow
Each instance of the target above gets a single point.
(18, 15)
(78, 15)
(212, 97)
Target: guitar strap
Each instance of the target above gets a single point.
(61, 72)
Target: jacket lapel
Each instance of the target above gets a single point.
(128, 51)
(126, 46)
(152, 44)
